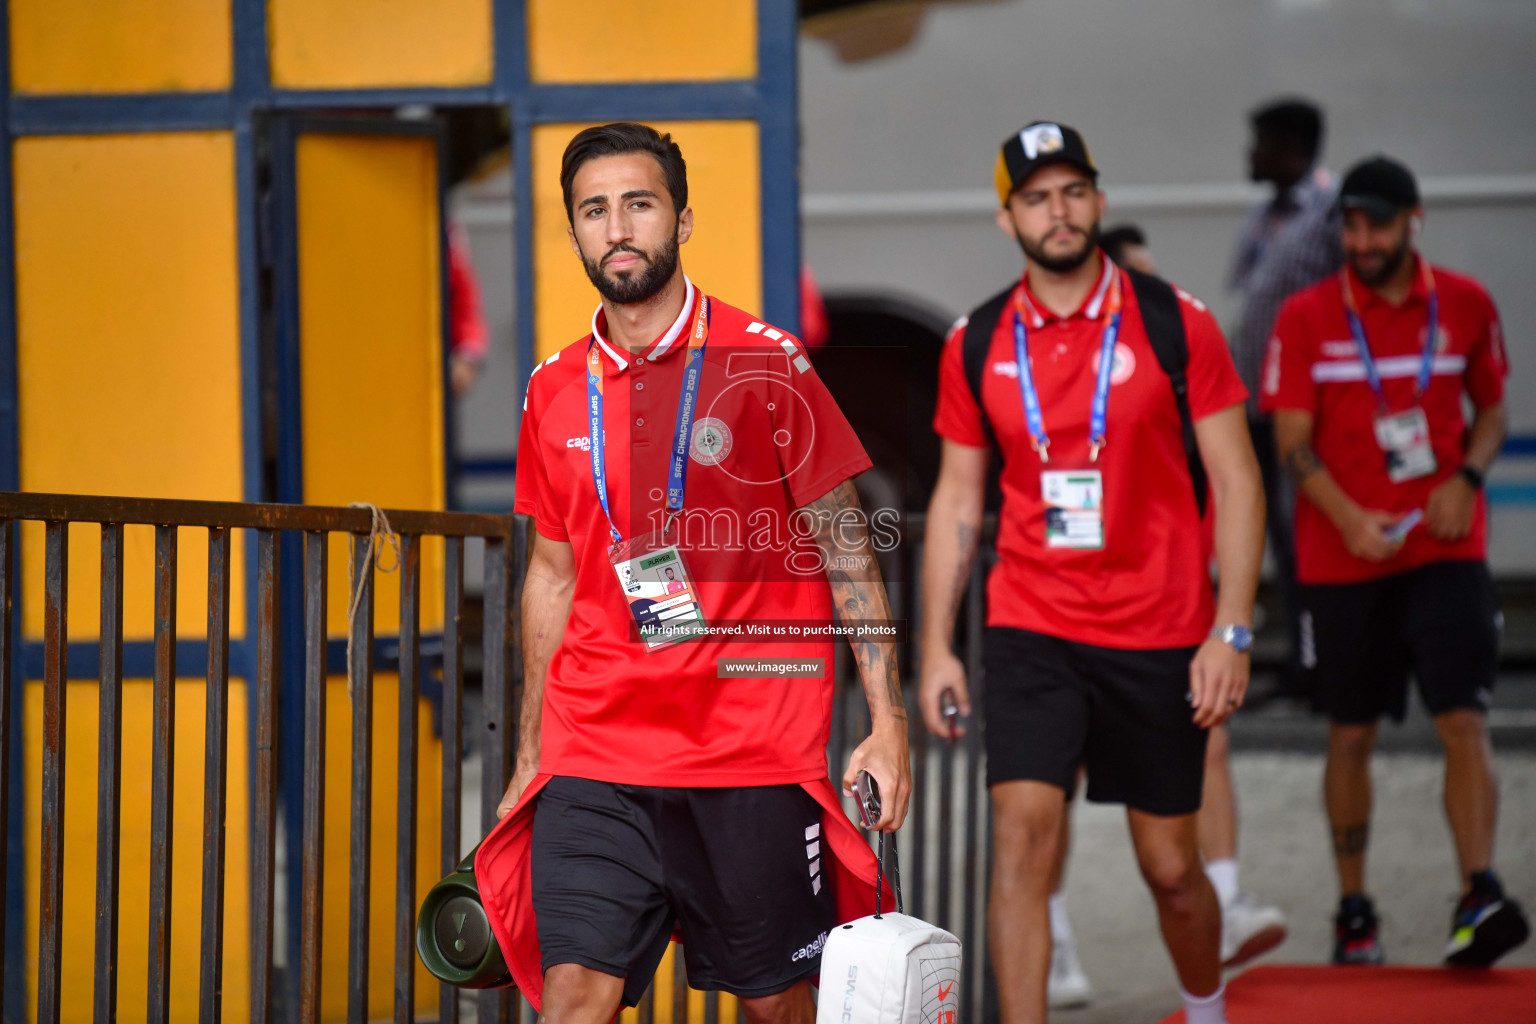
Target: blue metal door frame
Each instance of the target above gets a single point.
(770, 99)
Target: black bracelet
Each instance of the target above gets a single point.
(1471, 476)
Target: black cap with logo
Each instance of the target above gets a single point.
(1381, 187)
(1034, 146)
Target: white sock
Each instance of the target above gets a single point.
(1223, 875)
(1061, 928)
(1211, 1009)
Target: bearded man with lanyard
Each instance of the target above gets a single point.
(1105, 646)
(656, 787)
(1365, 375)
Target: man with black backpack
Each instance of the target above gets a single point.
(1113, 401)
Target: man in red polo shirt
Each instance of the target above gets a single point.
(1100, 646)
(689, 479)
(1365, 375)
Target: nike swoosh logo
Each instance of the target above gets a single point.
(944, 991)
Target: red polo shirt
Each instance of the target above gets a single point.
(1149, 586)
(768, 439)
(1314, 366)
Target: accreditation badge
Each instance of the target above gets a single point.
(1404, 439)
(662, 596)
(1074, 508)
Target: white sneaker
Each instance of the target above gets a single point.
(1068, 985)
(1249, 930)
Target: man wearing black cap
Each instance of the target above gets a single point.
(1366, 375)
(1112, 399)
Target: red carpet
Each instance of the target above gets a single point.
(1379, 995)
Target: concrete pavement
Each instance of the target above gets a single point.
(1285, 860)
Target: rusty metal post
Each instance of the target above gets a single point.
(405, 790)
(918, 814)
(109, 772)
(500, 717)
(215, 772)
(500, 720)
(55, 682)
(264, 814)
(7, 582)
(679, 987)
(360, 684)
(163, 777)
(453, 736)
(971, 936)
(315, 560)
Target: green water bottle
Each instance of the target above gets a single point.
(453, 934)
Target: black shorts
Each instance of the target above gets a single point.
(1440, 622)
(1051, 705)
(739, 868)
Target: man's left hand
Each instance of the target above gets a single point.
(1448, 513)
(884, 755)
(1218, 681)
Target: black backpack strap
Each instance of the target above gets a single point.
(1164, 323)
(974, 345)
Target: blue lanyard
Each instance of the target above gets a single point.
(1426, 361)
(1099, 413)
(687, 407)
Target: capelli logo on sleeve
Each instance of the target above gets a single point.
(583, 442)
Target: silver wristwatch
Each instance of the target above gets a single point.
(1239, 638)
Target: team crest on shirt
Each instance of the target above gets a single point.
(1442, 338)
(711, 442)
(1124, 365)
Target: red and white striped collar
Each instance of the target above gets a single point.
(1092, 307)
(656, 349)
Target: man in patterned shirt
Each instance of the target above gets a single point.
(1285, 244)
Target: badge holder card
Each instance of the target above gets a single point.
(660, 591)
(1404, 439)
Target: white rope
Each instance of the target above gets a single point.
(378, 527)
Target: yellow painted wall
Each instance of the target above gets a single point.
(74, 46)
(79, 942)
(724, 256)
(128, 352)
(335, 44)
(338, 797)
(370, 330)
(624, 41)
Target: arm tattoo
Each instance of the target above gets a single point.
(966, 539)
(1350, 840)
(1301, 462)
(860, 596)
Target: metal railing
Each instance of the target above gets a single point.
(502, 571)
(945, 848)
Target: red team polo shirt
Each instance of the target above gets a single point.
(776, 441)
(1149, 587)
(1313, 366)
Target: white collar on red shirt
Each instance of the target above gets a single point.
(1091, 307)
(657, 348)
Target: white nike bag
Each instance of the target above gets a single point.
(889, 968)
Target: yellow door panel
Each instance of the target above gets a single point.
(370, 342)
(128, 352)
(624, 41)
